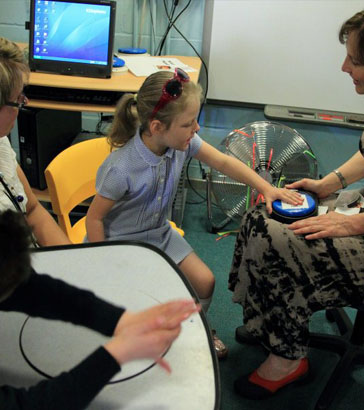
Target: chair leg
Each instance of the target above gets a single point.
(349, 346)
(339, 374)
(357, 336)
(331, 343)
(342, 320)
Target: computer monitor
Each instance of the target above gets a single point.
(72, 37)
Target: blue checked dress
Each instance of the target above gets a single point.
(143, 186)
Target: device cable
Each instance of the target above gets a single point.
(172, 23)
(152, 25)
(170, 17)
(16, 200)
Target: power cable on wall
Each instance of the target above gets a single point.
(170, 17)
(170, 25)
(152, 25)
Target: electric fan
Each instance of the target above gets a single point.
(277, 153)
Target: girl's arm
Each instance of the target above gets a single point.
(99, 208)
(240, 172)
(44, 227)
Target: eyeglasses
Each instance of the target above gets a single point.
(361, 148)
(172, 90)
(361, 144)
(20, 102)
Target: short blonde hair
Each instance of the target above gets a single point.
(13, 69)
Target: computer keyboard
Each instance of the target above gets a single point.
(72, 95)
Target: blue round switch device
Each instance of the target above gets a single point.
(131, 50)
(287, 213)
(118, 62)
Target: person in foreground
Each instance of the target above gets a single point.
(15, 191)
(146, 334)
(154, 133)
(281, 274)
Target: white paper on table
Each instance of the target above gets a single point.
(144, 66)
(347, 211)
(322, 209)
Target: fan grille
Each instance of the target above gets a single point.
(276, 152)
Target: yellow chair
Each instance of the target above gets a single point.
(71, 178)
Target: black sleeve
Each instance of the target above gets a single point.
(72, 390)
(44, 296)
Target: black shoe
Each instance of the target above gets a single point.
(243, 336)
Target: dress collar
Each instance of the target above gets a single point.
(147, 154)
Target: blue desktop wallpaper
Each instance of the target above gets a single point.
(71, 32)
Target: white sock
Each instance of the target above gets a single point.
(205, 303)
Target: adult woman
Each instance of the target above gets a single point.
(300, 268)
(15, 192)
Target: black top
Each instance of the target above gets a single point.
(51, 298)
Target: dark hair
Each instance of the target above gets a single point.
(355, 23)
(13, 69)
(15, 262)
(133, 111)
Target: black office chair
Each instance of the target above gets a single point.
(349, 345)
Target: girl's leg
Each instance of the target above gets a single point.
(199, 274)
(203, 282)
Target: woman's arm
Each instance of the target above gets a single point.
(44, 227)
(352, 170)
(238, 171)
(332, 224)
(71, 390)
(146, 334)
(50, 298)
(97, 211)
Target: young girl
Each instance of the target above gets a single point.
(155, 133)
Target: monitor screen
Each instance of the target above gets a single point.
(72, 36)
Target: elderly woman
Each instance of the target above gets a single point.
(281, 274)
(15, 192)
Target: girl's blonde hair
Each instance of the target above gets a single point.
(133, 112)
(13, 69)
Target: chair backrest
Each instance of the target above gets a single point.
(71, 178)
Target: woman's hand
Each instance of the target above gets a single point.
(311, 185)
(149, 333)
(331, 224)
(173, 313)
(145, 340)
(285, 195)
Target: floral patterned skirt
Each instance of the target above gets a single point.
(281, 279)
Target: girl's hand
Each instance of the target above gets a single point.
(286, 195)
(329, 225)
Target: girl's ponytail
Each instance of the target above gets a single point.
(125, 122)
